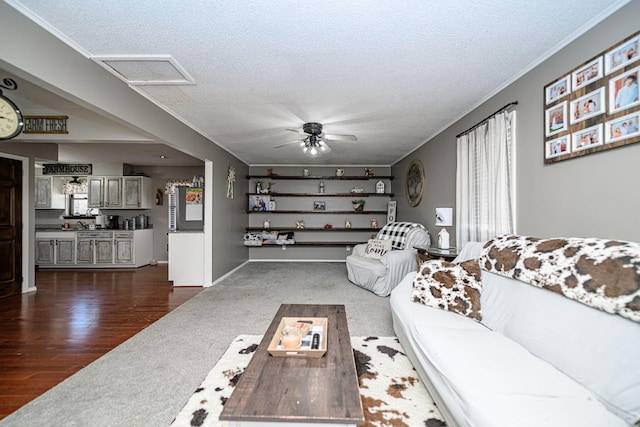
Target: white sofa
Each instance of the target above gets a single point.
(537, 358)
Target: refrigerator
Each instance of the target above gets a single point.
(188, 206)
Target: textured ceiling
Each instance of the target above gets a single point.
(392, 73)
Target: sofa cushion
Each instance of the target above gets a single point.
(376, 248)
(604, 274)
(499, 383)
(449, 286)
(597, 349)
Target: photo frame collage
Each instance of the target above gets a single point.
(596, 106)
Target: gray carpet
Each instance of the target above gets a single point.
(148, 379)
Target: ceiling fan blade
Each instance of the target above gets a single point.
(338, 137)
(288, 143)
(298, 131)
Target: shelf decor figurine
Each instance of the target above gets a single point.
(347, 223)
(358, 205)
(368, 172)
(380, 187)
(321, 187)
(300, 224)
(339, 172)
(374, 223)
(258, 186)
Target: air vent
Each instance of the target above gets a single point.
(146, 69)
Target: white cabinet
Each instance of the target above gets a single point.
(117, 192)
(48, 193)
(186, 258)
(65, 251)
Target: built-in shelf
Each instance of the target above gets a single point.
(353, 195)
(319, 212)
(327, 177)
(288, 229)
(350, 243)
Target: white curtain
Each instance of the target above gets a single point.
(485, 184)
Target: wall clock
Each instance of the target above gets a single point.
(11, 122)
(414, 183)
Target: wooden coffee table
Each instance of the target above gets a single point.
(301, 390)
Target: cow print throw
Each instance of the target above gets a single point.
(392, 394)
(604, 274)
(449, 286)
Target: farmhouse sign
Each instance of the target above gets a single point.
(65, 169)
(45, 124)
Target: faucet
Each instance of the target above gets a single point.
(81, 225)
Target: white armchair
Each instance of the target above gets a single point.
(381, 275)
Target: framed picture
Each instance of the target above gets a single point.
(557, 90)
(556, 119)
(414, 183)
(258, 202)
(319, 206)
(557, 147)
(622, 128)
(623, 91)
(587, 74)
(587, 106)
(622, 55)
(587, 138)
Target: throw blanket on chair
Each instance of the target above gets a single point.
(398, 232)
(604, 274)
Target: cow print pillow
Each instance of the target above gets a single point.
(452, 287)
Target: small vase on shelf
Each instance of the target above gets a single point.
(443, 239)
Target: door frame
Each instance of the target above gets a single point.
(28, 221)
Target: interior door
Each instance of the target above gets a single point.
(10, 227)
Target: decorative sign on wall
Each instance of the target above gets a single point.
(45, 124)
(595, 106)
(66, 169)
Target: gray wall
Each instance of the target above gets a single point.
(44, 60)
(597, 195)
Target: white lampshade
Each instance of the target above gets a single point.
(444, 217)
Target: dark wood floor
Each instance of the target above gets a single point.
(74, 318)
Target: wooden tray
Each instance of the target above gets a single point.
(277, 351)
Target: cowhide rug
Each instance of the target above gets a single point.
(392, 394)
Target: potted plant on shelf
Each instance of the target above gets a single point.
(358, 205)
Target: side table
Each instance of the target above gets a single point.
(426, 253)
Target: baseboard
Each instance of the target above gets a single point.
(297, 260)
(224, 276)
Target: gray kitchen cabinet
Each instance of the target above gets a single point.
(85, 251)
(113, 192)
(45, 251)
(104, 251)
(96, 192)
(65, 251)
(123, 250)
(48, 193)
(137, 192)
(95, 247)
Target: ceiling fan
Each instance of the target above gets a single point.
(313, 141)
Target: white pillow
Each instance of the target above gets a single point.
(376, 248)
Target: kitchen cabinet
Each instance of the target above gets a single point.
(55, 248)
(96, 192)
(113, 192)
(186, 258)
(123, 247)
(137, 192)
(95, 247)
(65, 251)
(48, 193)
(45, 251)
(117, 192)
